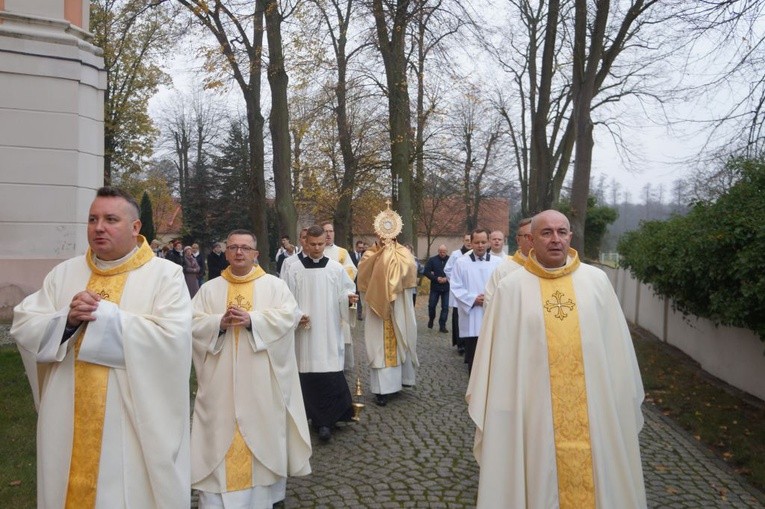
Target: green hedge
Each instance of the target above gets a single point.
(711, 262)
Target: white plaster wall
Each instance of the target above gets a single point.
(47, 8)
(51, 138)
(628, 297)
(732, 354)
(651, 315)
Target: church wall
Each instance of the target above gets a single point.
(652, 316)
(51, 138)
(732, 354)
(628, 296)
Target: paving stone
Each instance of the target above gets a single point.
(417, 450)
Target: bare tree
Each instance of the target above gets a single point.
(391, 23)
(478, 133)
(239, 38)
(595, 51)
(279, 119)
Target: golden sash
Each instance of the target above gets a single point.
(238, 456)
(390, 344)
(573, 451)
(385, 271)
(518, 258)
(90, 384)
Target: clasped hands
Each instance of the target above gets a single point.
(235, 316)
(82, 307)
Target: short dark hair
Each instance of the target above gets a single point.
(315, 231)
(325, 223)
(242, 231)
(477, 231)
(360, 242)
(285, 237)
(116, 192)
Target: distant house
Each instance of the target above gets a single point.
(444, 222)
(168, 224)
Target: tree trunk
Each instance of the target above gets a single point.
(343, 216)
(540, 181)
(392, 48)
(255, 124)
(279, 121)
(584, 84)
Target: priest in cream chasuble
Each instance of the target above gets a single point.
(249, 429)
(387, 279)
(106, 344)
(555, 392)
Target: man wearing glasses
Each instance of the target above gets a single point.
(511, 263)
(249, 425)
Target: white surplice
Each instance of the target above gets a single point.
(322, 294)
(467, 282)
(146, 342)
(509, 397)
(255, 386)
(341, 256)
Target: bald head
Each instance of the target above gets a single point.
(550, 238)
(442, 250)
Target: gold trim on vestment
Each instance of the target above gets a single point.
(385, 271)
(573, 450)
(239, 457)
(90, 384)
(390, 343)
(518, 258)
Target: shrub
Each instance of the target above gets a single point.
(709, 262)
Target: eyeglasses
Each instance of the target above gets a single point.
(234, 249)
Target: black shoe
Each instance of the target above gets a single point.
(325, 433)
(443, 329)
(460, 350)
(430, 324)
(381, 399)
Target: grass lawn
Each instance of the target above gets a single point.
(17, 429)
(727, 421)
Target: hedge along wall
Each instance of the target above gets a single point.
(732, 354)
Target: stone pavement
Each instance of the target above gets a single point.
(417, 451)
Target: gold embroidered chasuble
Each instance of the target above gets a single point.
(573, 451)
(384, 272)
(239, 456)
(90, 385)
(518, 258)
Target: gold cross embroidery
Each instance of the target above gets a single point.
(241, 302)
(559, 305)
(104, 294)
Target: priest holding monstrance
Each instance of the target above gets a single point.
(387, 280)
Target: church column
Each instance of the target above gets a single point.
(52, 83)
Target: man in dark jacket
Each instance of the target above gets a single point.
(439, 288)
(175, 255)
(216, 261)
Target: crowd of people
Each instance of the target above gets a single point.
(109, 340)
